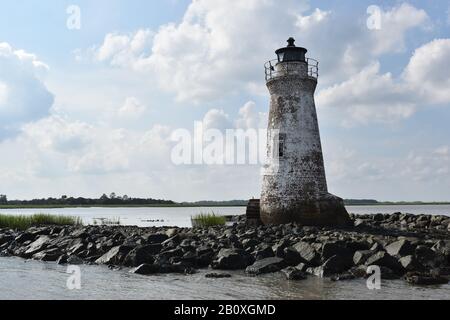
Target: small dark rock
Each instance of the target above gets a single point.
(425, 279)
(218, 275)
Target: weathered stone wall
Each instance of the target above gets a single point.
(295, 187)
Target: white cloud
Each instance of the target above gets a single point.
(395, 23)
(250, 118)
(124, 49)
(373, 97)
(428, 71)
(23, 96)
(217, 119)
(369, 97)
(132, 108)
(215, 51)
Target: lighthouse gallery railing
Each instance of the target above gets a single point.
(271, 72)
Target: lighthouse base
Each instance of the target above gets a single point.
(328, 210)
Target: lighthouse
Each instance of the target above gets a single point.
(294, 185)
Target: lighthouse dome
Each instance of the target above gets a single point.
(291, 52)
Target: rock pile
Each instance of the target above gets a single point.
(413, 247)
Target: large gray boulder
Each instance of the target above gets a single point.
(400, 248)
(232, 259)
(267, 265)
(360, 257)
(141, 255)
(383, 259)
(38, 245)
(146, 269)
(429, 258)
(333, 266)
(115, 256)
(307, 253)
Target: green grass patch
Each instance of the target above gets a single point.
(208, 220)
(23, 222)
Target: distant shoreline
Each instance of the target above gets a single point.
(6, 207)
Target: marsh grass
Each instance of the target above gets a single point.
(208, 220)
(22, 222)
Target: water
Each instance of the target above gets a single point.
(142, 217)
(20, 279)
(181, 217)
(30, 280)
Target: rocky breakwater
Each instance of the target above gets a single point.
(412, 247)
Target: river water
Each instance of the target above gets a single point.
(20, 279)
(181, 217)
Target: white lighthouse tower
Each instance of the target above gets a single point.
(294, 187)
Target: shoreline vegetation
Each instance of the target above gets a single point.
(115, 201)
(22, 222)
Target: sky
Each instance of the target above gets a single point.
(92, 91)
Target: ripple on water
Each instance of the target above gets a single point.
(37, 280)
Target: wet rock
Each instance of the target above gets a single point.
(343, 277)
(307, 253)
(293, 273)
(115, 256)
(291, 256)
(62, 259)
(383, 259)
(330, 249)
(302, 267)
(48, 255)
(334, 265)
(443, 247)
(389, 274)
(279, 248)
(268, 265)
(142, 255)
(76, 247)
(425, 279)
(146, 269)
(411, 263)
(217, 275)
(5, 238)
(38, 245)
(74, 260)
(428, 257)
(400, 248)
(360, 257)
(249, 243)
(232, 259)
(155, 238)
(26, 236)
(265, 252)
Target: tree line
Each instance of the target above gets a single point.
(112, 199)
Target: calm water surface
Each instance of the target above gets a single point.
(20, 279)
(29, 280)
(181, 217)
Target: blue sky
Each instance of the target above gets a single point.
(88, 111)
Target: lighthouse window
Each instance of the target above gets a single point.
(281, 145)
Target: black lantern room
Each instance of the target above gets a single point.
(291, 52)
